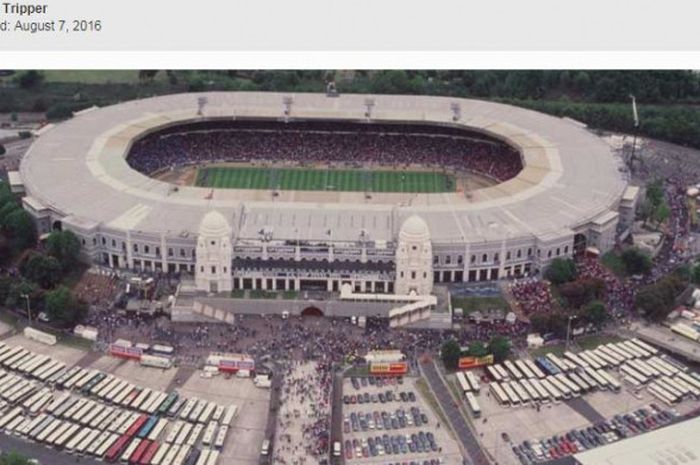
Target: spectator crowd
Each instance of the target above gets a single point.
(342, 144)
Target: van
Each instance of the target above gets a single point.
(265, 449)
(336, 449)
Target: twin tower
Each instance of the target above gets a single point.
(414, 255)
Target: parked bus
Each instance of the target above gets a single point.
(463, 384)
(521, 392)
(67, 435)
(692, 390)
(168, 402)
(543, 393)
(203, 457)
(183, 434)
(609, 355)
(502, 371)
(672, 387)
(209, 409)
(230, 414)
(612, 382)
(194, 435)
(87, 441)
(623, 354)
(128, 451)
(162, 349)
(135, 457)
(643, 345)
(221, 437)
(117, 449)
(535, 369)
(632, 373)
(662, 394)
(600, 381)
(524, 369)
(158, 429)
(79, 435)
(51, 374)
(473, 405)
(174, 431)
(557, 362)
(635, 349)
(473, 381)
(160, 454)
(590, 360)
(211, 430)
(531, 391)
(554, 392)
(494, 374)
(512, 370)
(149, 453)
(565, 391)
(97, 443)
(573, 387)
(643, 369)
(513, 398)
(104, 447)
(660, 367)
(580, 361)
(213, 457)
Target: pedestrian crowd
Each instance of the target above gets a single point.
(532, 295)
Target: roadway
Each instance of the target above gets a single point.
(664, 338)
(45, 455)
(451, 409)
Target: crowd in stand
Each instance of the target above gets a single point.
(342, 144)
(532, 295)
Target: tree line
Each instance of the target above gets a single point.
(667, 99)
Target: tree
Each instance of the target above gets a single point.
(661, 213)
(477, 349)
(499, 346)
(21, 229)
(636, 261)
(595, 313)
(450, 353)
(63, 308)
(42, 269)
(30, 79)
(13, 458)
(21, 287)
(65, 247)
(3, 151)
(561, 270)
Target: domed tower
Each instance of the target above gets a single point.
(214, 252)
(414, 258)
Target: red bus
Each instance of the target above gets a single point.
(138, 453)
(149, 453)
(116, 449)
(136, 426)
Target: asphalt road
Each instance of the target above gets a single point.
(45, 455)
(450, 407)
(586, 410)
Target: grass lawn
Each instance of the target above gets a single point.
(237, 294)
(613, 262)
(262, 294)
(591, 342)
(472, 304)
(324, 179)
(290, 295)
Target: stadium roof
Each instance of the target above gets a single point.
(673, 445)
(78, 169)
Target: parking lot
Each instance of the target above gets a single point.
(534, 422)
(183, 429)
(386, 420)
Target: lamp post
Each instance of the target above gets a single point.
(29, 313)
(568, 331)
(635, 115)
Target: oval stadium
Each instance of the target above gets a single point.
(373, 198)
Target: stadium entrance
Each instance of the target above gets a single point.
(312, 311)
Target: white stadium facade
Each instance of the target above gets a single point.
(570, 193)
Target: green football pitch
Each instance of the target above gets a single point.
(324, 180)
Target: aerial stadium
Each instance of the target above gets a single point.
(361, 195)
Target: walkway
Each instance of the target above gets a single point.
(449, 406)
